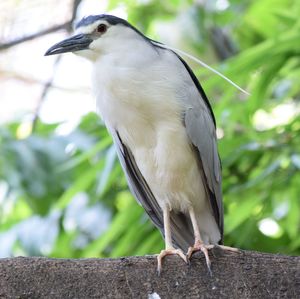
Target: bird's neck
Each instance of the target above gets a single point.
(128, 55)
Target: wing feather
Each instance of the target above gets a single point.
(181, 228)
(200, 126)
(201, 131)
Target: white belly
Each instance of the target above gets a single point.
(144, 103)
(169, 166)
(151, 126)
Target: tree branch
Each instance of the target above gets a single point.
(235, 275)
(29, 37)
(45, 90)
(65, 26)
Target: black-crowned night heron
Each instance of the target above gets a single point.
(163, 127)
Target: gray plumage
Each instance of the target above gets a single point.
(182, 231)
(199, 121)
(163, 128)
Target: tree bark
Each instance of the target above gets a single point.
(234, 275)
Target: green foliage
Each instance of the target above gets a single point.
(71, 187)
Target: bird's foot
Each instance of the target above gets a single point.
(199, 246)
(228, 248)
(169, 251)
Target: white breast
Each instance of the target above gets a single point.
(143, 102)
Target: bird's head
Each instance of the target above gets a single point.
(97, 35)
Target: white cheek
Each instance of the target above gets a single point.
(96, 44)
(88, 54)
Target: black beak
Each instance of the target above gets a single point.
(75, 43)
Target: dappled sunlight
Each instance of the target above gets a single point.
(270, 228)
(280, 115)
(24, 130)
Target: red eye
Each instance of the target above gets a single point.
(101, 28)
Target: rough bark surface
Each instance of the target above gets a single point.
(234, 275)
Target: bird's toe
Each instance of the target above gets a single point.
(198, 246)
(228, 248)
(170, 251)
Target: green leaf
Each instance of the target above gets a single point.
(82, 183)
(239, 212)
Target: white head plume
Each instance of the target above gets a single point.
(203, 64)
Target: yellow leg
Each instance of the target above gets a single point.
(199, 245)
(169, 249)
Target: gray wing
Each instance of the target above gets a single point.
(181, 228)
(200, 125)
(201, 131)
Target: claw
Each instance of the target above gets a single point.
(165, 252)
(198, 246)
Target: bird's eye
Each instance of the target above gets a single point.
(101, 28)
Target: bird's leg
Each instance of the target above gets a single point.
(198, 245)
(169, 250)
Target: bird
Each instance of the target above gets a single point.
(163, 128)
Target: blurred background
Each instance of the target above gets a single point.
(62, 191)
